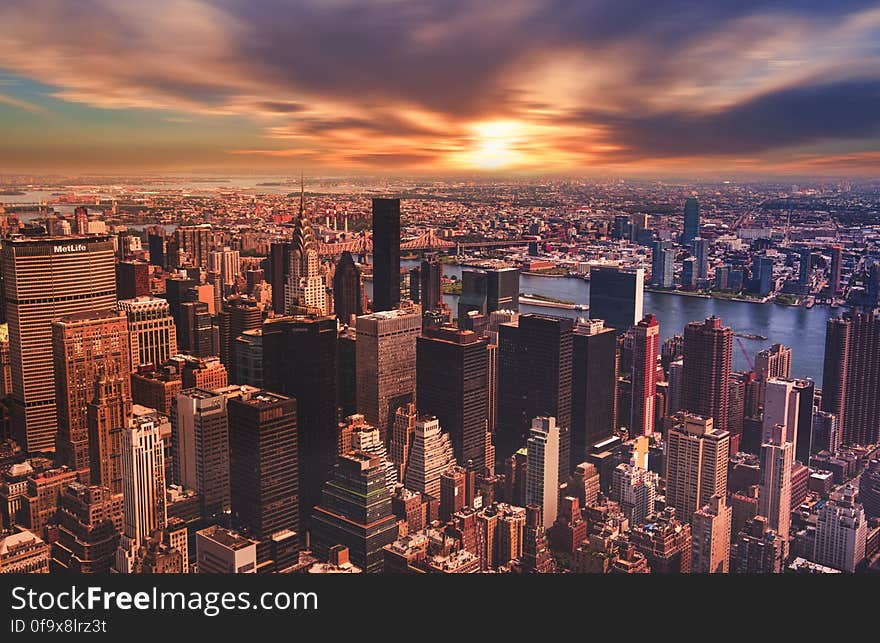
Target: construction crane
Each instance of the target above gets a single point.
(745, 354)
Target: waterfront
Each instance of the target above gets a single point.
(800, 328)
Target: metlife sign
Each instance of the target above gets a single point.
(75, 247)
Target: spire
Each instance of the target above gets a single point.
(302, 194)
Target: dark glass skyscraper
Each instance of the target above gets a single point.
(430, 275)
(708, 356)
(486, 291)
(347, 289)
(299, 360)
(616, 296)
(593, 387)
(386, 254)
(691, 221)
(451, 383)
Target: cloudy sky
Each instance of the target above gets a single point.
(755, 87)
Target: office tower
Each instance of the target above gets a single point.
(773, 362)
(535, 379)
(196, 241)
(386, 254)
(706, 376)
(143, 483)
(662, 265)
(722, 277)
(90, 522)
(306, 291)
(593, 385)
(492, 387)
(781, 406)
(224, 551)
(762, 275)
(825, 433)
(152, 332)
(675, 394)
(430, 455)
(107, 415)
(665, 542)
(347, 289)
(774, 499)
(542, 472)
(365, 437)
(869, 489)
(248, 349)
(386, 364)
(132, 279)
(400, 443)
(834, 284)
(263, 468)
(536, 558)
(806, 400)
(474, 294)
(689, 273)
(646, 349)
(453, 492)
(841, 531)
(616, 295)
(851, 381)
(635, 489)
(451, 373)
(701, 255)
(253, 278)
(200, 448)
(40, 497)
(279, 257)
(488, 290)
(355, 511)
(156, 244)
(621, 228)
(23, 552)
(178, 290)
(79, 271)
(695, 463)
(311, 344)
(757, 549)
(431, 274)
(710, 537)
(198, 335)
(414, 277)
(691, 221)
(81, 219)
(225, 262)
(237, 315)
(85, 346)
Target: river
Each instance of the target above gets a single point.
(800, 328)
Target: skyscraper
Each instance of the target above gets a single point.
(430, 455)
(646, 352)
(430, 276)
(196, 241)
(355, 511)
(488, 290)
(710, 537)
(79, 272)
(691, 221)
(701, 254)
(107, 415)
(662, 265)
(143, 483)
(306, 291)
(834, 285)
(542, 468)
(152, 331)
(279, 255)
(593, 385)
(635, 490)
(706, 371)
(237, 314)
(85, 346)
(400, 442)
(225, 262)
(803, 438)
(616, 295)
(695, 462)
(774, 497)
(386, 364)
(132, 279)
(841, 531)
(451, 373)
(386, 254)
(347, 289)
(851, 381)
(263, 468)
(311, 344)
(773, 362)
(90, 522)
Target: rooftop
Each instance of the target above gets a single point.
(226, 537)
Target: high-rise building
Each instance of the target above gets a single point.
(80, 274)
(279, 256)
(366, 438)
(23, 552)
(237, 314)
(841, 532)
(306, 291)
(542, 468)
(834, 284)
(198, 335)
(774, 498)
(263, 467)
(474, 294)
(107, 415)
(689, 273)
(616, 295)
(665, 542)
(386, 364)
(157, 245)
(781, 407)
(348, 295)
(803, 438)
(143, 483)
(400, 442)
(662, 265)
(453, 492)
(536, 558)
(757, 549)
(851, 381)
(311, 344)
(451, 373)
(646, 352)
(132, 279)
(593, 385)
(355, 511)
(701, 254)
(430, 276)
(635, 490)
(869, 489)
(773, 362)
(152, 331)
(695, 463)
(708, 358)
(225, 262)
(223, 551)
(39, 499)
(248, 349)
(200, 448)
(488, 290)
(386, 254)
(90, 522)
(430, 455)
(196, 241)
(710, 537)
(825, 432)
(85, 346)
(691, 221)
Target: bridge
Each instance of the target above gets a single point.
(425, 241)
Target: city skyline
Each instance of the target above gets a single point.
(781, 87)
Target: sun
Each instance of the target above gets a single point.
(495, 145)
